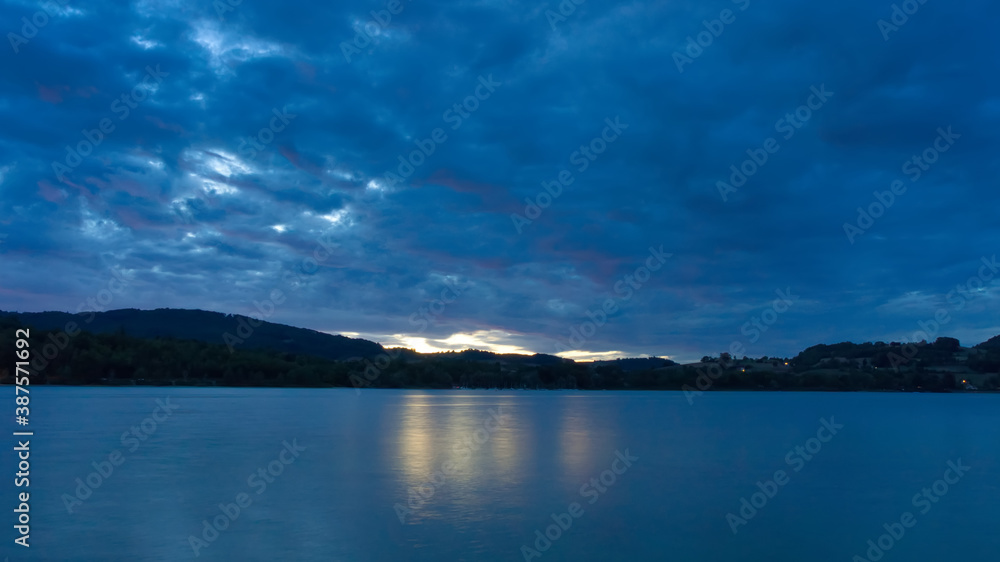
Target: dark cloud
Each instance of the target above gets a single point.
(206, 201)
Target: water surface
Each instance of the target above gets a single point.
(464, 475)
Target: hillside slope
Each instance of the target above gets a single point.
(200, 325)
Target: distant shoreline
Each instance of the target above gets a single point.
(190, 348)
(582, 390)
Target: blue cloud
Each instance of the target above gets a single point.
(175, 196)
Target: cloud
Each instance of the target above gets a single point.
(177, 193)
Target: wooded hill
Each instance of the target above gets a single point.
(190, 347)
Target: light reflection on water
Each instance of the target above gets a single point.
(365, 453)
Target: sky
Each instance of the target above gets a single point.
(596, 180)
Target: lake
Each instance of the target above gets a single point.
(390, 475)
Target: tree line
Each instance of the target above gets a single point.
(118, 358)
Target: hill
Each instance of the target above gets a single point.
(992, 344)
(637, 363)
(195, 347)
(489, 356)
(204, 326)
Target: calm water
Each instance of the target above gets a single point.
(513, 459)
